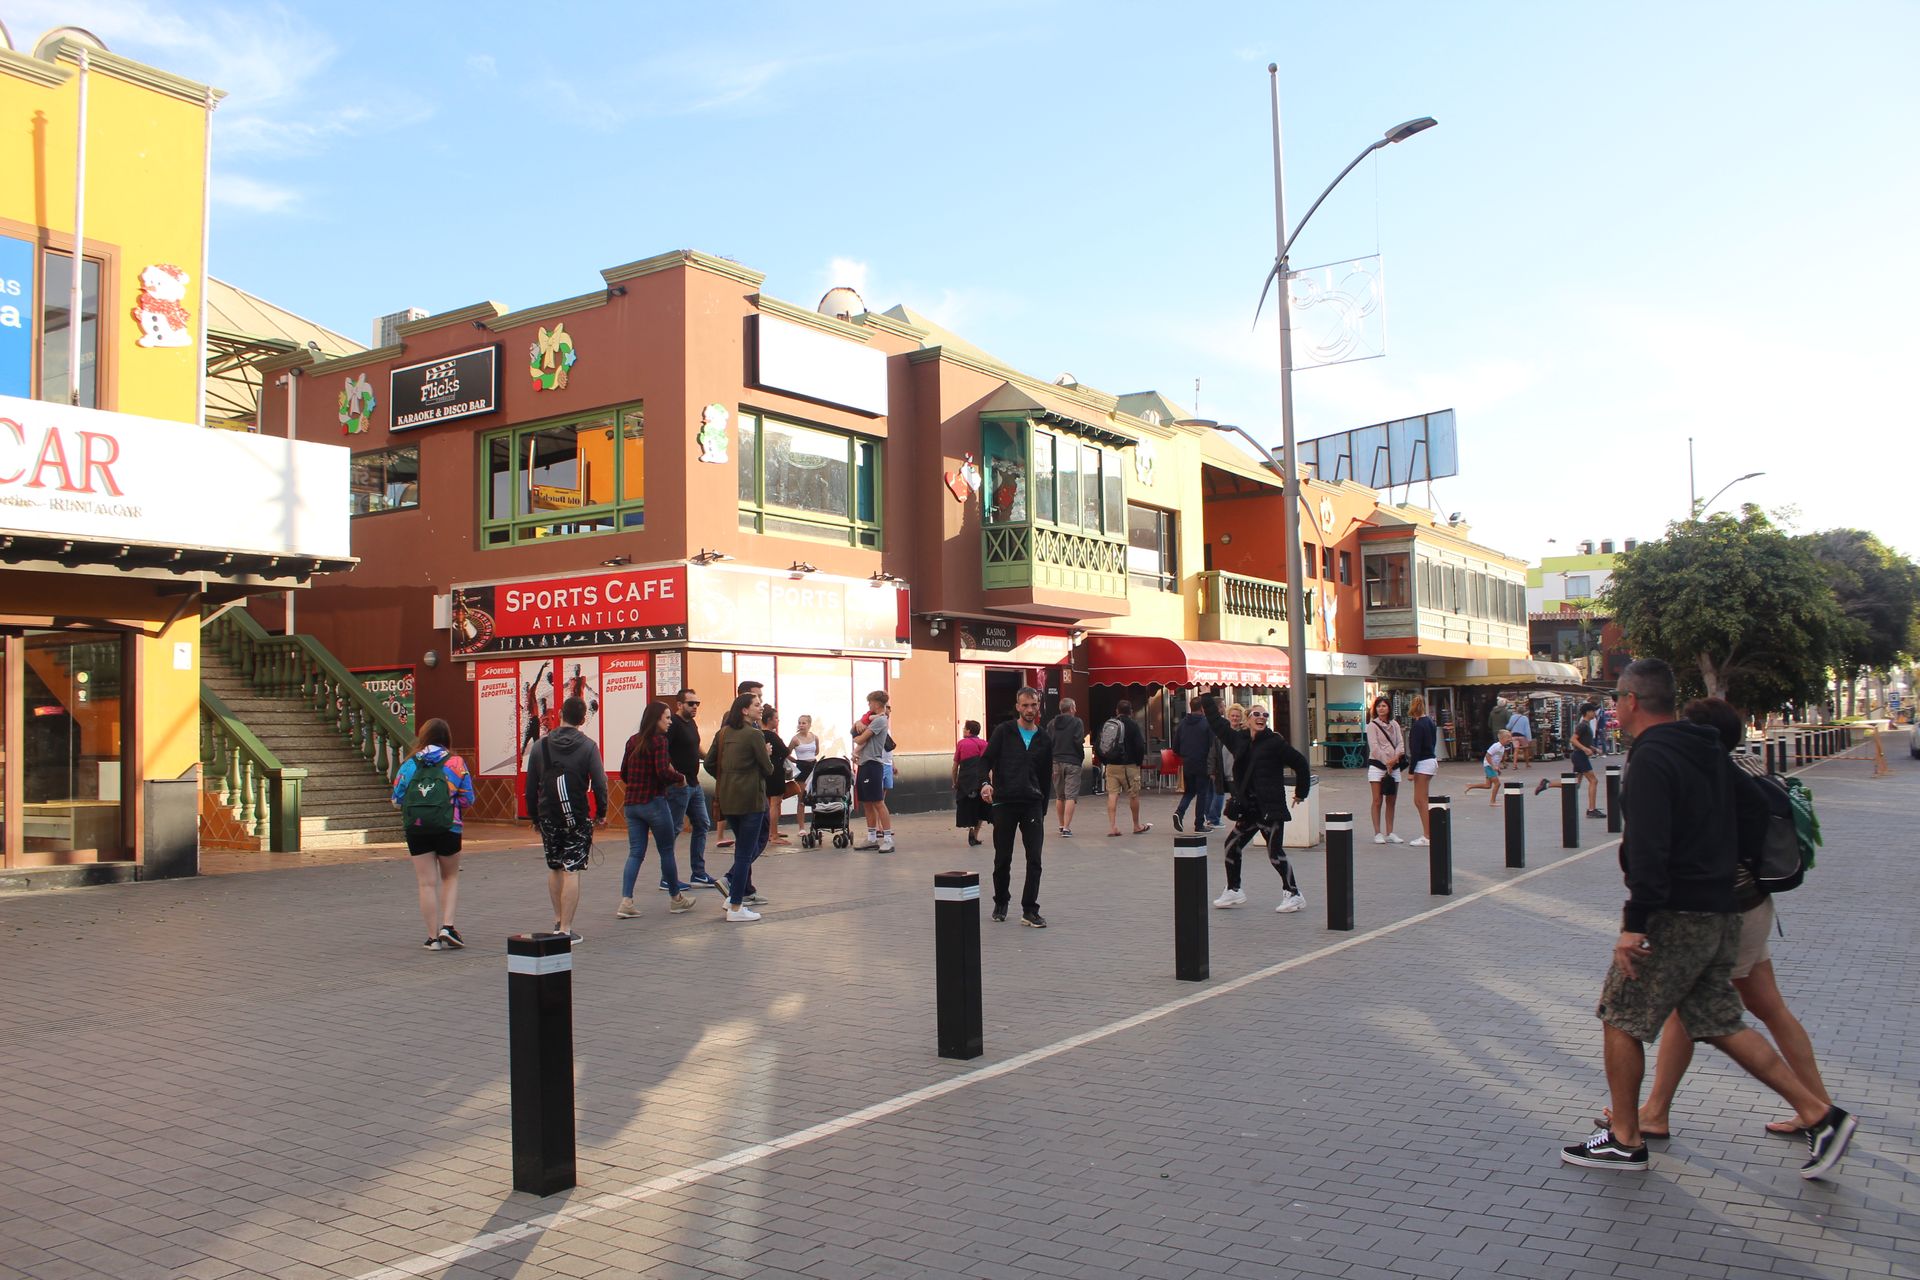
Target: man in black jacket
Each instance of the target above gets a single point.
(1261, 757)
(1680, 931)
(1019, 762)
(689, 802)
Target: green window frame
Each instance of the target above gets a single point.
(801, 480)
(1051, 477)
(577, 476)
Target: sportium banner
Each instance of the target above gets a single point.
(600, 610)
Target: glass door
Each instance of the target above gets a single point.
(70, 731)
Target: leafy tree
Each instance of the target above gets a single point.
(1739, 607)
(1878, 592)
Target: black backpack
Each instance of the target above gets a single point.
(1781, 865)
(1113, 738)
(563, 797)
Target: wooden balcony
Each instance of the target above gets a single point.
(1241, 609)
(1035, 569)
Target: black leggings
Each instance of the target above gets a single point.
(1276, 834)
(1029, 818)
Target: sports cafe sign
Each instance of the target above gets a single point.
(627, 607)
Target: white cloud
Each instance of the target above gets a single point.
(482, 64)
(236, 191)
(850, 272)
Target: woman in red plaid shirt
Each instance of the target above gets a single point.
(648, 773)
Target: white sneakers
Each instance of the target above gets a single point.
(743, 912)
(1231, 898)
(1378, 838)
(1394, 839)
(1292, 902)
(1289, 902)
(1417, 841)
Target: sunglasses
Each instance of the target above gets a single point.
(1625, 693)
(691, 702)
(1256, 715)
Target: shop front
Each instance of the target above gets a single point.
(993, 661)
(110, 553)
(1162, 676)
(1481, 693)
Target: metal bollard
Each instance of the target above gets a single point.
(1799, 750)
(1569, 811)
(1190, 908)
(1339, 870)
(956, 963)
(540, 1053)
(1440, 855)
(1516, 823)
(1614, 817)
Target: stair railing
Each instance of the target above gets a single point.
(301, 667)
(247, 777)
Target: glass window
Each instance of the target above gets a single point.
(809, 482)
(70, 739)
(58, 294)
(1346, 568)
(1114, 485)
(1066, 481)
(1090, 490)
(1310, 558)
(1003, 446)
(1151, 548)
(1044, 445)
(385, 480)
(1578, 585)
(556, 479)
(1386, 580)
(1326, 564)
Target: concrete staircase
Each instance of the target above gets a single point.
(343, 801)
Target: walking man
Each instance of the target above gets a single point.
(1191, 739)
(1261, 757)
(1680, 930)
(1019, 769)
(563, 770)
(689, 801)
(1122, 751)
(1521, 727)
(1069, 734)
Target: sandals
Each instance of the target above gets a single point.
(1605, 1121)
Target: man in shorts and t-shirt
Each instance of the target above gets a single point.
(1121, 749)
(564, 770)
(1522, 730)
(1680, 928)
(1069, 733)
(870, 773)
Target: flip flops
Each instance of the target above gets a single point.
(1605, 1121)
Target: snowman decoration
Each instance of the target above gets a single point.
(160, 309)
(713, 433)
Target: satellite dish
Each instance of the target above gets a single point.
(1066, 380)
(841, 303)
(6, 41)
(79, 35)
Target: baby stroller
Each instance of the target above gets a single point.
(830, 802)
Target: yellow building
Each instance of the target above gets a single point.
(111, 550)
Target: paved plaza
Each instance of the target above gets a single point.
(265, 1075)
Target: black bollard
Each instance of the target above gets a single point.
(1775, 762)
(1799, 750)
(540, 1050)
(1614, 817)
(956, 963)
(1569, 811)
(1440, 855)
(1339, 830)
(1516, 823)
(1190, 908)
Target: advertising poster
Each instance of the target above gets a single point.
(623, 691)
(498, 716)
(16, 316)
(600, 610)
(394, 687)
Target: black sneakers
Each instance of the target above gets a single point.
(451, 936)
(1604, 1151)
(1827, 1142)
(999, 915)
(1179, 821)
(1034, 920)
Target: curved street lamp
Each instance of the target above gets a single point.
(1707, 506)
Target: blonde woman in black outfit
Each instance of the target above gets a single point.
(1423, 741)
(1261, 758)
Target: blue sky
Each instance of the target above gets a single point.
(1635, 222)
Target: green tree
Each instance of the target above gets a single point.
(1878, 593)
(1739, 607)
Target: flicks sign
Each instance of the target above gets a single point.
(627, 607)
(440, 390)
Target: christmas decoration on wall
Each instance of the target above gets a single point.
(963, 482)
(1144, 462)
(160, 309)
(713, 433)
(1326, 516)
(549, 358)
(356, 405)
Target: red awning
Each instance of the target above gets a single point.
(1154, 660)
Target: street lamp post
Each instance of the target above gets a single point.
(1702, 509)
(1289, 474)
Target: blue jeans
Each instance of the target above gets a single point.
(692, 802)
(655, 816)
(1217, 809)
(1199, 787)
(749, 838)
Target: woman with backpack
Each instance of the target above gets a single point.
(738, 760)
(432, 791)
(1753, 975)
(969, 774)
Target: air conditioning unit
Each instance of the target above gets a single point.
(386, 329)
(1632, 543)
(1586, 548)
(1606, 546)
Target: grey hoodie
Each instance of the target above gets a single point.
(570, 752)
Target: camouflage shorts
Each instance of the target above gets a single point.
(567, 847)
(1689, 969)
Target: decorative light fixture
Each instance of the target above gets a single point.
(1077, 635)
(881, 578)
(614, 562)
(935, 624)
(704, 556)
(800, 569)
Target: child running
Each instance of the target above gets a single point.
(1491, 764)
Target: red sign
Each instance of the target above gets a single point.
(619, 607)
(1004, 642)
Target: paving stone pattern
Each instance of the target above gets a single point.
(265, 1075)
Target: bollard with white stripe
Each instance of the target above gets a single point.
(540, 1049)
(1615, 819)
(1516, 823)
(956, 963)
(1440, 854)
(1190, 908)
(1569, 811)
(1339, 870)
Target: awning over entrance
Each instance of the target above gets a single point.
(1155, 660)
(1515, 671)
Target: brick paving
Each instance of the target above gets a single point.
(265, 1075)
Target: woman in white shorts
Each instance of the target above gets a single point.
(1385, 749)
(1423, 742)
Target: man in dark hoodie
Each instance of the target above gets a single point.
(1680, 930)
(563, 768)
(1019, 763)
(1191, 740)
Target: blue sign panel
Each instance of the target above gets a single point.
(16, 316)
